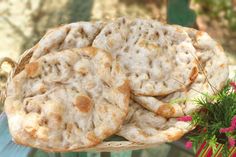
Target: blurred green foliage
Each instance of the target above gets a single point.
(218, 8)
(178, 12)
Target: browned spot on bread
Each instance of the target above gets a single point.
(90, 51)
(148, 45)
(55, 121)
(43, 121)
(69, 127)
(108, 55)
(83, 103)
(199, 33)
(142, 133)
(184, 89)
(142, 43)
(116, 118)
(179, 30)
(117, 67)
(176, 136)
(219, 47)
(46, 49)
(160, 94)
(113, 115)
(154, 47)
(83, 70)
(125, 89)
(166, 110)
(107, 65)
(194, 74)
(103, 108)
(32, 69)
(43, 89)
(18, 140)
(155, 36)
(42, 133)
(57, 117)
(108, 133)
(222, 65)
(90, 85)
(92, 137)
(110, 43)
(31, 131)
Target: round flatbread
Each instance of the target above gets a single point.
(143, 126)
(73, 35)
(67, 100)
(213, 74)
(155, 56)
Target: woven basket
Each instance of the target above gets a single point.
(105, 146)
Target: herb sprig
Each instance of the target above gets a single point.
(216, 121)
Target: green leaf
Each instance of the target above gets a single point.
(212, 144)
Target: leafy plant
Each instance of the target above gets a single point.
(216, 121)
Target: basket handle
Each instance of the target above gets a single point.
(13, 64)
(8, 60)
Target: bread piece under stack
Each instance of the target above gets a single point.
(143, 126)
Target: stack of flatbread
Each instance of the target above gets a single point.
(85, 81)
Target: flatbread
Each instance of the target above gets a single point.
(143, 126)
(73, 35)
(67, 100)
(155, 56)
(213, 74)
